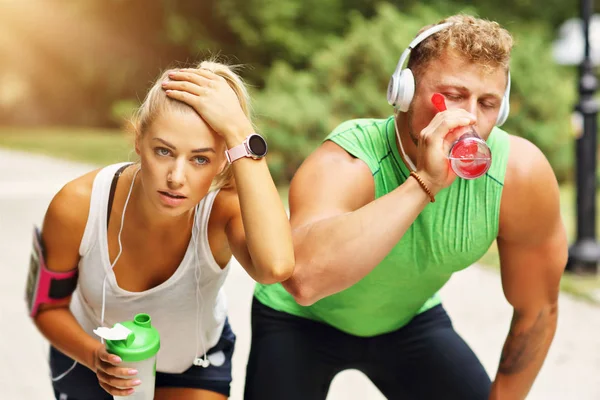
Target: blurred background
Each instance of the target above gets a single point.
(72, 72)
(85, 65)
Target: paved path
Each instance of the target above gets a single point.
(473, 298)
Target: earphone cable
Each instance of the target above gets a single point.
(59, 377)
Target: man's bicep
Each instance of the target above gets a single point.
(330, 182)
(531, 272)
(532, 240)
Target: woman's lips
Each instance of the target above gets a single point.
(171, 199)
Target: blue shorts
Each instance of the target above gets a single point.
(82, 384)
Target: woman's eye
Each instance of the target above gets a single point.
(200, 160)
(161, 151)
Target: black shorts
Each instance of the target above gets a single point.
(82, 384)
(294, 358)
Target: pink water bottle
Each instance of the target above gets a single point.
(470, 157)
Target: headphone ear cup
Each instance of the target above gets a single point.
(392, 91)
(504, 111)
(406, 90)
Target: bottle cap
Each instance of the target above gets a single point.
(141, 343)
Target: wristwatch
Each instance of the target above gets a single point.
(254, 146)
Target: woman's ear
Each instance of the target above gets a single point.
(223, 165)
(137, 143)
(223, 157)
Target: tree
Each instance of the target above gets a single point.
(349, 76)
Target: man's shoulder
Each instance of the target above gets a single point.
(525, 161)
(530, 193)
(360, 125)
(366, 139)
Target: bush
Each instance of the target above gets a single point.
(348, 79)
(542, 98)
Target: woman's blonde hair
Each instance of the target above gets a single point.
(156, 101)
(476, 40)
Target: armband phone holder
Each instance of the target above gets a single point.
(44, 286)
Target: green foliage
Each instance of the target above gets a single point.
(311, 63)
(290, 29)
(542, 98)
(292, 116)
(513, 13)
(259, 32)
(122, 110)
(348, 79)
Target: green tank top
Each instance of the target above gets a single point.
(447, 236)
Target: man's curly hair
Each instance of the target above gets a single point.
(476, 40)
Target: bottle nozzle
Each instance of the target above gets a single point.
(438, 102)
(142, 320)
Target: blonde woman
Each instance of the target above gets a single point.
(158, 237)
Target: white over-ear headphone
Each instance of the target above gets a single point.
(401, 88)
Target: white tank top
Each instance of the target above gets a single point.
(171, 305)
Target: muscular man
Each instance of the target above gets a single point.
(380, 222)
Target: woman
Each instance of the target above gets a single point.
(161, 241)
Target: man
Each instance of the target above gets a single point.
(380, 225)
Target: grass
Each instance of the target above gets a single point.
(102, 147)
(93, 146)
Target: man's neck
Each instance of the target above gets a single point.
(406, 147)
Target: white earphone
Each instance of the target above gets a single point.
(401, 88)
(201, 362)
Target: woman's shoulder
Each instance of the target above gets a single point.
(74, 196)
(65, 221)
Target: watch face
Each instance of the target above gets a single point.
(257, 145)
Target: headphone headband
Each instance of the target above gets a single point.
(401, 87)
(415, 42)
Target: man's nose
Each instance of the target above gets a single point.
(470, 105)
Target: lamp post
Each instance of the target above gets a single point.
(584, 254)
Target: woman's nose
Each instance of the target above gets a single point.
(176, 176)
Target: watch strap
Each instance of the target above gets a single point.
(237, 152)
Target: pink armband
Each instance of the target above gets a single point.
(45, 286)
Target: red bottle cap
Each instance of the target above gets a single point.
(438, 101)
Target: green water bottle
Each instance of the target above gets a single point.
(138, 351)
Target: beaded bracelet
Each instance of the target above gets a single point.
(423, 185)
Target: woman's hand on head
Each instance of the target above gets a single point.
(212, 98)
(116, 380)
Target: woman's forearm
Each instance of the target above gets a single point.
(63, 331)
(266, 224)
